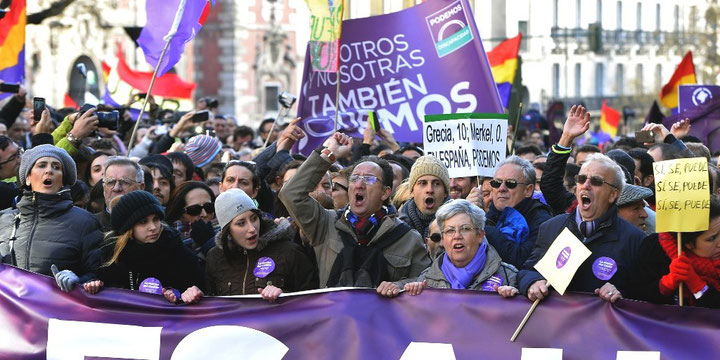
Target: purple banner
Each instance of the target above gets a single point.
(692, 96)
(427, 59)
(39, 321)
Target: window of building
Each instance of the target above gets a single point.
(620, 79)
(523, 29)
(599, 12)
(578, 80)
(556, 80)
(657, 17)
(640, 79)
(638, 16)
(619, 15)
(676, 16)
(658, 76)
(599, 79)
(555, 13)
(578, 13)
(271, 97)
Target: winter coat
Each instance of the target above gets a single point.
(654, 263)
(406, 257)
(245, 271)
(615, 241)
(165, 259)
(503, 273)
(51, 231)
(535, 214)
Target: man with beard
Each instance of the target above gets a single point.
(460, 187)
(367, 243)
(429, 185)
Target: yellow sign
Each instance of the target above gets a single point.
(562, 260)
(682, 195)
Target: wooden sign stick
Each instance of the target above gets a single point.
(527, 316)
(680, 288)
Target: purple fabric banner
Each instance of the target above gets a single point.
(39, 321)
(691, 96)
(160, 18)
(704, 117)
(427, 59)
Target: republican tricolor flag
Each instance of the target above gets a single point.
(326, 18)
(503, 64)
(12, 44)
(609, 119)
(169, 90)
(684, 75)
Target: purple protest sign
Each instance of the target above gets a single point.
(41, 322)
(691, 96)
(427, 59)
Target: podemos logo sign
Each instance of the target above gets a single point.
(449, 28)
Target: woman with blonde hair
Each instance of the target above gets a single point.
(143, 254)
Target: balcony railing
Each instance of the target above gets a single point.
(619, 38)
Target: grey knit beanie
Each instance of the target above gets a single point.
(230, 204)
(32, 155)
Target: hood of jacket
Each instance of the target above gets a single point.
(282, 231)
(46, 205)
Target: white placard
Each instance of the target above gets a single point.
(468, 144)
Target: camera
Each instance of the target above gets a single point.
(211, 103)
(108, 119)
(286, 99)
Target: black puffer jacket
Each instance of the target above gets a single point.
(51, 231)
(165, 259)
(292, 271)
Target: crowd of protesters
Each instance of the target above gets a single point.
(216, 208)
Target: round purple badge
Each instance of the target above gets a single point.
(604, 268)
(151, 286)
(562, 259)
(264, 267)
(489, 284)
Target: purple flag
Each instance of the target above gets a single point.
(160, 18)
(41, 322)
(424, 60)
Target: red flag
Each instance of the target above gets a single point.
(609, 119)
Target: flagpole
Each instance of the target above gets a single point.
(337, 99)
(680, 288)
(168, 38)
(515, 130)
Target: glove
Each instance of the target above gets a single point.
(681, 271)
(65, 279)
(201, 232)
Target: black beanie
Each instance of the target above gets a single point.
(133, 207)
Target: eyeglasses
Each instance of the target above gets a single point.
(110, 183)
(366, 179)
(338, 187)
(510, 183)
(435, 237)
(465, 230)
(594, 180)
(14, 156)
(195, 210)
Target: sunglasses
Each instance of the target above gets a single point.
(338, 187)
(435, 237)
(594, 180)
(510, 183)
(195, 210)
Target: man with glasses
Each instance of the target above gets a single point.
(10, 155)
(122, 176)
(514, 217)
(366, 244)
(614, 242)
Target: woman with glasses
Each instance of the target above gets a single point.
(467, 262)
(191, 210)
(46, 228)
(143, 254)
(254, 254)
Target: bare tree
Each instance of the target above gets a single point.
(55, 9)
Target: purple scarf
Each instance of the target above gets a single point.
(460, 278)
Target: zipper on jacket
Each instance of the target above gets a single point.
(32, 232)
(247, 267)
